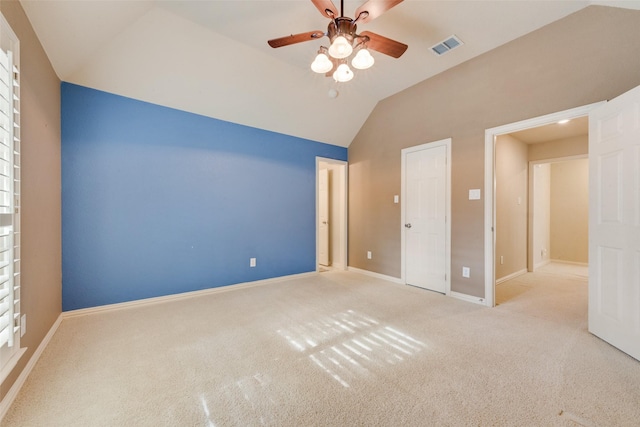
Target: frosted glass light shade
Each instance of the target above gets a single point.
(322, 64)
(340, 48)
(362, 60)
(343, 73)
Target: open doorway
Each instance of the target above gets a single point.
(555, 224)
(541, 197)
(513, 245)
(559, 212)
(331, 214)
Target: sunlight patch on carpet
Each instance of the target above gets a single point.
(349, 345)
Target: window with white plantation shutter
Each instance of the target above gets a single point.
(9, 198)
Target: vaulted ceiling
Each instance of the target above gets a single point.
(212, 57)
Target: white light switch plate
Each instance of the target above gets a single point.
(474, 194)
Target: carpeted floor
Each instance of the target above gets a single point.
(337, 349)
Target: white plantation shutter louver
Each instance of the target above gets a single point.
(9, 286)
(9, 196)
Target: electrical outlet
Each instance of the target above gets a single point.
(368, 254)
(252, 262)
(466, 272)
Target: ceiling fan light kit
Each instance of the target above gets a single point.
(340, 48)
(343, 73)
(322, 64)
(341, 32)
(363, 60)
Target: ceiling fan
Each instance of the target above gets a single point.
(341, 32)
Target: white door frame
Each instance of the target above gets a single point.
(490, 184)
(403, 194)
(344, 213)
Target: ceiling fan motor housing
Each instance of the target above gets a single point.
(342, 26)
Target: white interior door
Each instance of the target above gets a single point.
(614, 222)
(425, 237)
(323, 217)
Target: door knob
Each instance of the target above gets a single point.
(408, 225)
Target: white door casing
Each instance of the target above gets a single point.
(323, 217)
(425, 208)
(614, 222)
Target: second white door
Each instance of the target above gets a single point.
(323, 217)
(425, 210)
(614, 222)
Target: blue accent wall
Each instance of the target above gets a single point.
(157, 201)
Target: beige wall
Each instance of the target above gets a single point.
(511, 201)
(578, 60)
(576, 146)
(41, 209)
(570, 211)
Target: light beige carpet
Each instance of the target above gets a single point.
(337, 349)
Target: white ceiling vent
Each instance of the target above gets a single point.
(446, 45)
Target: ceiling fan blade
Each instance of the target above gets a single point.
(384, 45)
(296, 38)
(373, 9)
(326, 8)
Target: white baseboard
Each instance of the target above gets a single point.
(511, 276)
(541, 264)
(181, 296)
(5, 404)
(377, 275)
(561, 261)
(468, 298)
